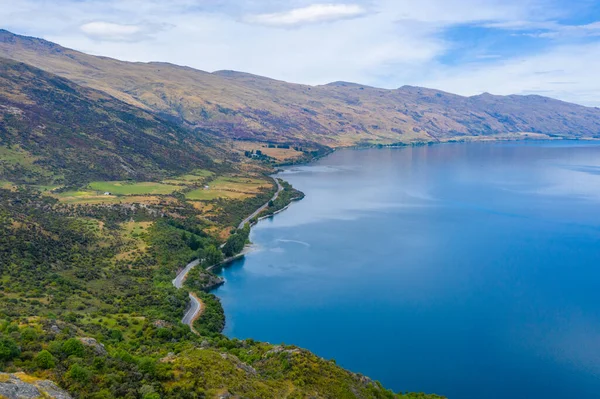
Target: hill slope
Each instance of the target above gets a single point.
(52, 130)
(244, 106)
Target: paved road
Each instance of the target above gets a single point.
(262, 208)
(193, 311)
(195, 305)
(178, 281)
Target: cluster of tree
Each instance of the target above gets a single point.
(258, 154)
(212, 320)
(236, 241)
(285, 197)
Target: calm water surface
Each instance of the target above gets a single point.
(469, 270)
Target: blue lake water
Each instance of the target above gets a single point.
(468, 270)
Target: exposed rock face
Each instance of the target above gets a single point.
(162, 324)
(97, 346)
(208, 281)
(22, 386)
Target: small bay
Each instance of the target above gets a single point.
(468, 270)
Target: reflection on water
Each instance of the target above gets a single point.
(468, 270)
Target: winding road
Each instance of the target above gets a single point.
(195, 308)
(265, 206)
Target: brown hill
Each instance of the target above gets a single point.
(244, 106)
(54, 131)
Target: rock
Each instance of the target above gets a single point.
(97, 346)
(207, 281)
(23, 386)
(161, 324)
(239, 364)
(280, 349)
(168, 359)
(55, 329)
(204, 344)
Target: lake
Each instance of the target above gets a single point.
(468, 270)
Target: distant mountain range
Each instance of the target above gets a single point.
(237, 105)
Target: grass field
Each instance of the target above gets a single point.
(194, 177)
(126, 188)
(92, 197)
(229, 187)
(279, 154)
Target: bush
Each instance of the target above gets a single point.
(73, 347)
(45, 360)
(8, 349)
(78, 374)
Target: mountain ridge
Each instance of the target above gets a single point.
(242, 106)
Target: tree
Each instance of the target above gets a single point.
(212, 255)
(73, 347)
(79, 374)
(45, 360)
(8, 349)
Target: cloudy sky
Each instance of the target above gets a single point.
(547, 47)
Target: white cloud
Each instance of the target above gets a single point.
(311, 14)
(386, 43)
(109, 31)
(567, 72)
(588, 30)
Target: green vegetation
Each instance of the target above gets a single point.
(86, 293)
(212, 320)
(53, 131)
(133, 188)
(236, 242)
(73, 311)
(285, 197)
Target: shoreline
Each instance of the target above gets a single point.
(196, 306)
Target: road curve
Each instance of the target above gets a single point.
(193, 311)
(265, 206)
(195, 307)
(178, 281)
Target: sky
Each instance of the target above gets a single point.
(546, 47)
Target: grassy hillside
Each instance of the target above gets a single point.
(86, 301)
(243, 106)
(53, 131)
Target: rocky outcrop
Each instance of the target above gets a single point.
(95, 345)
(206, 281)
(23, 386)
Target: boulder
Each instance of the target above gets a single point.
(97, 346)
(23, 386)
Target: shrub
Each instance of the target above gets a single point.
(8, 349)
(78, 374)
(73, 347)
(45, 360)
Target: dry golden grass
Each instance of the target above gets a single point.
(233, 187)
(280, 154)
